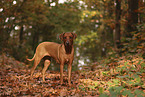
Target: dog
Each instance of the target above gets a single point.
(61, 53)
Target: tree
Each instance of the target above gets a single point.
(117, 23)
(26, 23)
(132, 18)
(6, 22)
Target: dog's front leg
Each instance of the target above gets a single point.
(69, 72)
(61, 72)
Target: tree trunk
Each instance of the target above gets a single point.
(117, 25)
(35, 40)
(110, 10)
(103, 44)
(21, 37)
(132, 19)
(140, 13)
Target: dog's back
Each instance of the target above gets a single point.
(48, 49)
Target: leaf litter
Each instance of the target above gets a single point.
(125, 77)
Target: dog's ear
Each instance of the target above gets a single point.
(61, 36)
(74, 35)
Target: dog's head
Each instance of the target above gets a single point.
(68, 38)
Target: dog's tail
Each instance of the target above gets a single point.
(32, 58)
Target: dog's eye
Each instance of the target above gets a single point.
(64, 37)
(70, 37)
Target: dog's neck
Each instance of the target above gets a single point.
(68, 49)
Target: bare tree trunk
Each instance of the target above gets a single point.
(103, 44)
(132, 19)
(110, 11)
(35, 39)
(21, 37)
(117, 25)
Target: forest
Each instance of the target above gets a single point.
(109, 59)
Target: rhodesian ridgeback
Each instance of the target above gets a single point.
(62, 53)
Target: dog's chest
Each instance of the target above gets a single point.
(64, 56)
(67, 58)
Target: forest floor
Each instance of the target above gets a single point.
(122, 77)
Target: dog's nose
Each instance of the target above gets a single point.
(67, 42)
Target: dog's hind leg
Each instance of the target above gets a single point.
(36, 62)
(46, 65)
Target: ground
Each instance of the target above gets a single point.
(116, 79)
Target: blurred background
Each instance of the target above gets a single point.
(104, 28)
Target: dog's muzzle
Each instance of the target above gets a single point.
(67, 43)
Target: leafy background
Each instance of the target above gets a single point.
(109, 50)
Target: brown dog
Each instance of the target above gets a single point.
(62, 53)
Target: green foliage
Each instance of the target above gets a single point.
(40, 22)
(122, 91)
(90, 38)
(101, 90)
(123, 77)
(92, 20)
(111, 72)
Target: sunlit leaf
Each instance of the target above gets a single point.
(101, 90)
(103, 95)
(138, 92)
